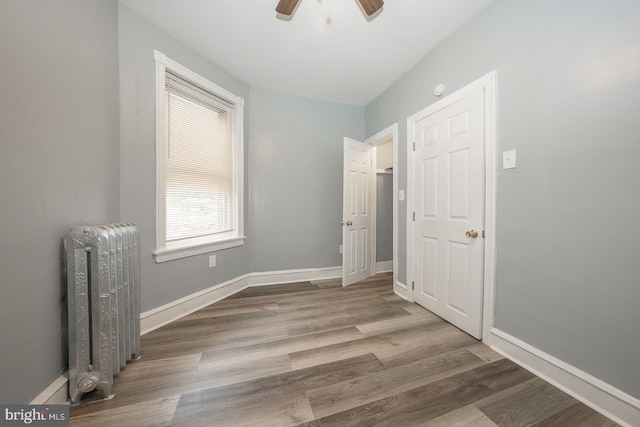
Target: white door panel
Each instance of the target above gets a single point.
(357, 218)
(449, 201)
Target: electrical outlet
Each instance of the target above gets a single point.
(212, 261)
(340, 248)
(509, 159)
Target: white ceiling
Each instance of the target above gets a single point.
(350, 59)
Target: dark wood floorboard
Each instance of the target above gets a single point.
(316, 354)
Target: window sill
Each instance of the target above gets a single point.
(163, 255)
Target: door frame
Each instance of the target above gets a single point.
(390, 132)
(487, 83)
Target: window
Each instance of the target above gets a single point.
(199, 148)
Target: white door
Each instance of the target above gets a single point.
(449, 211)
(356, 211)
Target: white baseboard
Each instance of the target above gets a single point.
(165, 314)
(615, 404)
(384, 266)
(55, 394)
(292, 276)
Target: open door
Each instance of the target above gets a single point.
(357, 220)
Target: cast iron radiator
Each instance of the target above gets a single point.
(103, 293)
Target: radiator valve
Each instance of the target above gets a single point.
(87, 382)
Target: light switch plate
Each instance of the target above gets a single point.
(212, 261)
(509, 159)
(401, 195)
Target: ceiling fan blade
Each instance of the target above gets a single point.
(286, 7)
(371, 6)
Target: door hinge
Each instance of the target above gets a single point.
(413, 286)
(414, 146)
(414, 216)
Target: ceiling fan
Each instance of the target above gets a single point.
(286, 7)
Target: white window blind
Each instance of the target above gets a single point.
(199, 162)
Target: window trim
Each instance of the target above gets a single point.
(167, 251)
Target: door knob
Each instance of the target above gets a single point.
(347, 222)
(472, 234)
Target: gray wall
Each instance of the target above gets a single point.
(58, 168)
(295, 180)
(168, 281)
(568, 101)
(384, 217)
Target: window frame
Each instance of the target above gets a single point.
(167, 251)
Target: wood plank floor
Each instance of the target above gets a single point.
(314, 353)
